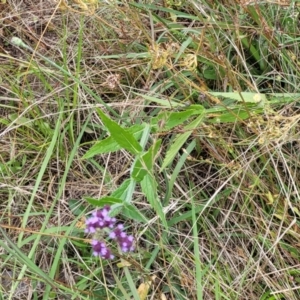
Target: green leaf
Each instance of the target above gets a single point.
(127, 209)
(242, 97)
(180, 140)
(166, 103)
(20, 120)
(178, 118)
(233, 116)
(174, 148)
(123, 137)
(103, 201)
(139, 170)
(110, 145)
(170, 120)
(76, 207)
(121, 191)
(175, 171)
(149, 188)
(145, 163)
(184, 45)
(105, 146)
(133, 213)
(210, 73)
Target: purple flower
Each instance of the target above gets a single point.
(117, 232)
(100, 249)
(125, 242)
(100, 219)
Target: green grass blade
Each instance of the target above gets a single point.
(197, 257)
(174, 148)
(12, 248)
(62, 242)
(44, 165)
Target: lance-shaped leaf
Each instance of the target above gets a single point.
(180, 140)
(110, 145)
(149, 188)
(145, 163)
(123, 137)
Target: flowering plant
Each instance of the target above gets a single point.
(101, 222)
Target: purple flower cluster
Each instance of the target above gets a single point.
(125, 241)
(100, 220)
(100, 249)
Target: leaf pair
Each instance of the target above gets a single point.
(119, 138)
